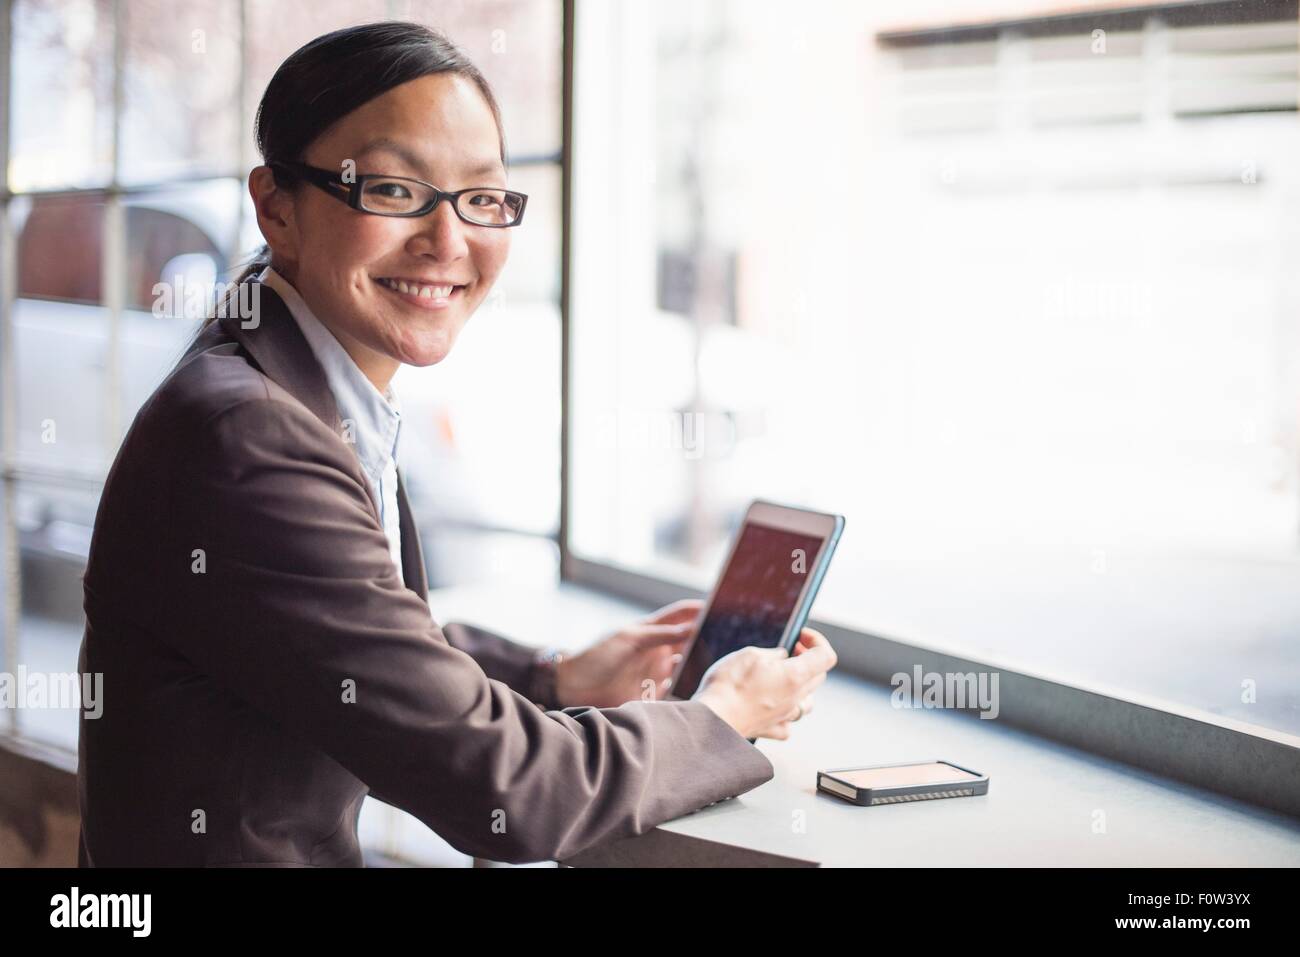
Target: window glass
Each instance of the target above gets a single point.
(61, 94)
(1016, 299)
(181, 89)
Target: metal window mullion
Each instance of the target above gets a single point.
(245, 124)
(113, 228)
(8, 368)
(566, 248)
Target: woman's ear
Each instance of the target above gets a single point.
(274, 207)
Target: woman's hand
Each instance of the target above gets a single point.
(761, 691)
(636, 662)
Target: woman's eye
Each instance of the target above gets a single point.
(483, 199)
(390, 191)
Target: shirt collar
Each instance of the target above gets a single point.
(376, 417)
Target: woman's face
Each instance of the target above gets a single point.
(438, 129)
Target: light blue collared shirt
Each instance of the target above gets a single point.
(371, 419)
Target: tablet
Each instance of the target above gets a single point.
(766, 589)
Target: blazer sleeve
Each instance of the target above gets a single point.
(300, 613)
(501, 659)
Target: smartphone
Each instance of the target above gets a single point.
(766, 590)
(899, 783)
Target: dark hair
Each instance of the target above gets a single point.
(328, 78)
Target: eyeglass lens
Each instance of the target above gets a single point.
(492, 207)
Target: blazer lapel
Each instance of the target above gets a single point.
(412, 554)
(280, 350)
(278, 347)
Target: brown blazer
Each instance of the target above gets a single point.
(264, 667)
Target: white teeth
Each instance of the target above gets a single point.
(415, 289)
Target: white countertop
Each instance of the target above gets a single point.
(1047, 804)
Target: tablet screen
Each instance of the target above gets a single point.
(755, 599)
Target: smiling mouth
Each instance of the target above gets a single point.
(425, 292)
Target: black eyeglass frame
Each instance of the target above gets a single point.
(326, 180)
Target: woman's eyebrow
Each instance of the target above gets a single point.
(388, 145)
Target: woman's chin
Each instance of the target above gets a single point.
(427, 349)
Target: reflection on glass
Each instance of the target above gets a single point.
(518, 45)
(60, 333)
(1031, 325)
(532, 273)
(471, 456)
(61, 93)
(181, 87)
(60, 240)
(179, 243)
(185, 232)
(52, 521)
(271, 36)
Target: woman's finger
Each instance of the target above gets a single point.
(663, 666)
(778, 732)
(807, 639)
(815, 655)
(800, 710)
(809, 686)
(652, 636)
(687, 609)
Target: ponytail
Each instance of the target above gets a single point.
(260, 259)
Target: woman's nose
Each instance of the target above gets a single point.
(442, 233)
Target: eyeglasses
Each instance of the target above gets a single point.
(399, 196)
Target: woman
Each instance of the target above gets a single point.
(255, 596)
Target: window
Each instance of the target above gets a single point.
(114, 191)
(1017, 298)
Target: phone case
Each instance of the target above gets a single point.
(869, 797)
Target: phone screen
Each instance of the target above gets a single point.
(905, 776)
(755, 599)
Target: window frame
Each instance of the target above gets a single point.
(1255, 764)
(1249, 762)
(113, 272)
